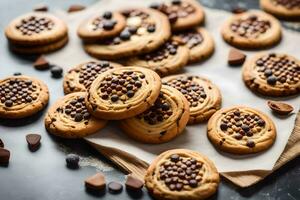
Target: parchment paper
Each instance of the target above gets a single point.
(228, 79)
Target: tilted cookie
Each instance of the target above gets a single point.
(163, 121)
(252, 30)
(69, 118)
(22, 96)
(168, 59)
(80, 78)
(203, 96)
(182, 14)
(146, 30)
(182, 174)
(123, 92)
(36, 32)
(272, 74)
(99, 27)
(199, 42)
(241, 130)
(285, 9)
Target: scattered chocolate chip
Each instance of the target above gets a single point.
(75, 8)
(72, 161)
(34, 141)
(41, 8)
(17, 74)
(56, 71)
(133, 183)
(115, 187)
(236, 57)
(4, 156)
(280, 107)
(1, 144)
(41, 63)
(250, 143)
(96, 182)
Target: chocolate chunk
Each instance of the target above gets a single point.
(245, 127)
(96, 182)
(236, 57)
(133, 183)
(261, 122)
(34, 141)
(41, 63)
(107, 15)
(238, 10)
(174, 158)
(125, 35)
(271, 80)
(78, 117)
(176, 2)
(1, 144)
(193, 183)
(56, 71)
(4, 156)
(173, 17)
(250, 143)
(17, 74)
(75, 8)
(223, 126)
(8, 103)
(280, 107)
(41, 8)
(115, 187)
(72, 161)
(108, 25)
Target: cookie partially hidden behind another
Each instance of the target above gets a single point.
(284, 9)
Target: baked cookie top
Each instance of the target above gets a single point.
(182, 14)
(22, 96)
(168, 59)
(146, 30)
(272, 74)
(163, 121)
(252, 29)
(241, 130)
(182, 174)
(289, 9)
(98, 27)
(203, 96)
(199, 42)
(123, 92)
(36, 28)
(81, 77)
(69, 117)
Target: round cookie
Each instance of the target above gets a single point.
(80, 78)
(252, 30)
(22, 96)
(272, 74)
(69, 118)
(199, 42)
(284, 9)
(241, 130)
(168, 59)
(99, 27)
(123, 93)
(145, 31)
(182, 14)
(182, 174)
(163, 121)
(203, 96)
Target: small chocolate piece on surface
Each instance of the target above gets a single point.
(133, 183)
(17, 74)
(41, 8)
(41, 63)
(1, 144)
(72, 161)
(4, 156)
(115, 187)
(96, 182)
(238, 10)
(34, 141)
(75, 8)
(56, 71)
(236, 57)
(280, 107)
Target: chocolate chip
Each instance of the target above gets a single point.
(108, 25)
(41, 8)
(17, 74)
(193, 183)
(132, 29)
(151, 28)
(268, 72)
(96, 182)
(78, 117)
(8, 103)
(250, 144)
(41, 63)
(173, 17)
(236, 57)
(223, 126)
(72, 161)
(133, 183)
(174, 157)
(115, 187)
(1, 144)
(107, 15)
(75, 8)
(4, 156)
(33, 141)
(176, 2)
(238, 10)
(271, 80)
(245, 127)
(56, 71)
(125, 35)
(130, 93)
(114, 98)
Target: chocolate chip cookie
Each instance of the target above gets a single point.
(69, 117)
(285, 9)
(203, 96)
(272, 74)
(145, 31)
(199, 42)
(99, 27)
(36, 33)
(182, 14)
(241, 130)
(252, 30)
(123, 92)
(163, 121)
(168, 59)
(80, 78)
(22, 96)
(182, 174)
